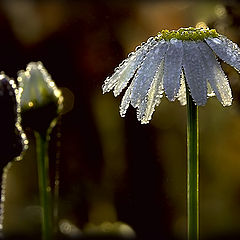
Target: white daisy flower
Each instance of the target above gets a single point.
(170, 61)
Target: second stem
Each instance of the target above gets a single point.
(44, 185)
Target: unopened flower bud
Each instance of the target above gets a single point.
(40, 99)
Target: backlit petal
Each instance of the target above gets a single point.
(125, 71)
(155, 93)
(145, 74)
(215, 75)
(181, 96)
(225, 49)
(125, 101)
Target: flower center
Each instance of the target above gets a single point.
(187, 34)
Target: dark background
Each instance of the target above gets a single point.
(113, 169)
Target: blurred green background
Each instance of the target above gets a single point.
(113, 169)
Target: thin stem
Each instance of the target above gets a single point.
(56, 193)
(44, 185)
(192, 169)
(4, 171)
(57, 122)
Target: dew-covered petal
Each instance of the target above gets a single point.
(129, 72)
(181, 96)
(125, 71)
(126, 101)
(173, 68)
(225, 49)
(145, 74)
(215, 75)
(194, 72)
(147, 106)
(210, 92)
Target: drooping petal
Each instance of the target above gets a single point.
(210, 92)
(225, 49)
(181, 96)
(126, 101)
(125, 71)
(215, 75)
(128, 73)
(155, 93)
(193, 70)
(145, 74)
(173, 68)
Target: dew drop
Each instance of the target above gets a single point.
(150, 39)
(137, 48)
(216, 40)
(130, 54)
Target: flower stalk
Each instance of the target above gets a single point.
(44, 184)
(192, 169)
(41, 97)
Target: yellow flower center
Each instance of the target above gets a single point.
(187, 34)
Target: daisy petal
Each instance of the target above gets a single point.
(125, 71)
(147, 106)
(210, 92)
(145, 74)
(125, 101)
(181, 96)
(173, 68)
(193, 70)
(225, 49)
(215, 75)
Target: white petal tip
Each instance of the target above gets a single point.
(171, 98)
(116, 93)
(227, 104)
(201, 104)
(183, 103)
(104, 89)
(144, 122)
(122, 114)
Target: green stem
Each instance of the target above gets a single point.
(44, 184)
(56, 195)
(192, 169)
